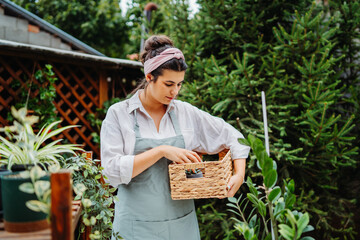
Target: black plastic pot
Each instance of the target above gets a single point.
(23, 167)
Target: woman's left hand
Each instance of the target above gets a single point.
(234, 184)
(237, 179)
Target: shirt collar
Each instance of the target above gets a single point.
(135, 103)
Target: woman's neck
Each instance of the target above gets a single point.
(150, 104)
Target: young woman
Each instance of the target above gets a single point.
(142, 135)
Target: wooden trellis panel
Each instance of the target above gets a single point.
(77, 91)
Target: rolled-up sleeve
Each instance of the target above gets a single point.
(214, 135)
(118, 166)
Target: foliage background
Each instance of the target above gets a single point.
(304, 55)
(98, 23)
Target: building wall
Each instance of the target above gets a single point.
(20, 30)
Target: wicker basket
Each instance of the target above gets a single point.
(216, 175)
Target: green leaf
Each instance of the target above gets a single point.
(286, 231)
(38, 206)
(279, 209)
(251, 187)
(291, 186)
(27, 187)
(262, 208)
(291, 218)
(53, 168)
(36, 172)
(232, 200)
(290, 200)
(253, 199)
(244, 141)
(25, 174)
(87, 203)
(302, 223)
(308, 228)
(267, 165)
(252, 222)
(274, 194)
(307, 238)
(41, 187)
(270, 178)
(92, 220)
(79, 188)
(268, 237)
(86, 221)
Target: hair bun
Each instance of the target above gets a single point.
(154, 45)
(157, 41)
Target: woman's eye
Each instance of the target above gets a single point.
(169, 85)
(179, 85)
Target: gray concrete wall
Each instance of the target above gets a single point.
(16, 29)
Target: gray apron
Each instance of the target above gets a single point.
(145, 209)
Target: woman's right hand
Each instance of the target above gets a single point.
(179, 155)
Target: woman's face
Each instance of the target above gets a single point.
(167, 86)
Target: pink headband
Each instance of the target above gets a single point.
(155, 62)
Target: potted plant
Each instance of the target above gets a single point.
(194, 173)
(97, 196)
(23, 147)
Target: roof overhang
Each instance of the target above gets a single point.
(34, 51)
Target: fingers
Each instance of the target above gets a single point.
(180, 155)
(197, 156)
(193, 156)
(187, 156)
(234, 185)
(186, 159)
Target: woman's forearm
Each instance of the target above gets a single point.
(239, 167)
(146, 159)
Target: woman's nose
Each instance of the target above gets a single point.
(175, 90)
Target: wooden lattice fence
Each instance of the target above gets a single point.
(80, 90)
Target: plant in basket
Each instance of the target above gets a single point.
(193, 173)
(20, 149)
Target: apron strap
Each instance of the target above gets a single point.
(175, 122)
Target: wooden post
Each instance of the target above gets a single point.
(103, 89)
(61, 206)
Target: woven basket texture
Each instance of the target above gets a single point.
(216, 175)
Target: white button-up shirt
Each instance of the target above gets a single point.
(202, 133)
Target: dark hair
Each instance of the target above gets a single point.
(153, 46)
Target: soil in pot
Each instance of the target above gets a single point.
(17, 216)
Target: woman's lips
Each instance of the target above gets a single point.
(169, 98)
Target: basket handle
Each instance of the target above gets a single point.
(194, 165)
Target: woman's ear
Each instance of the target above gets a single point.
(148, 77)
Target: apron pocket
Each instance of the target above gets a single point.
(123, 228)
(185, 227)
(143, 230)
